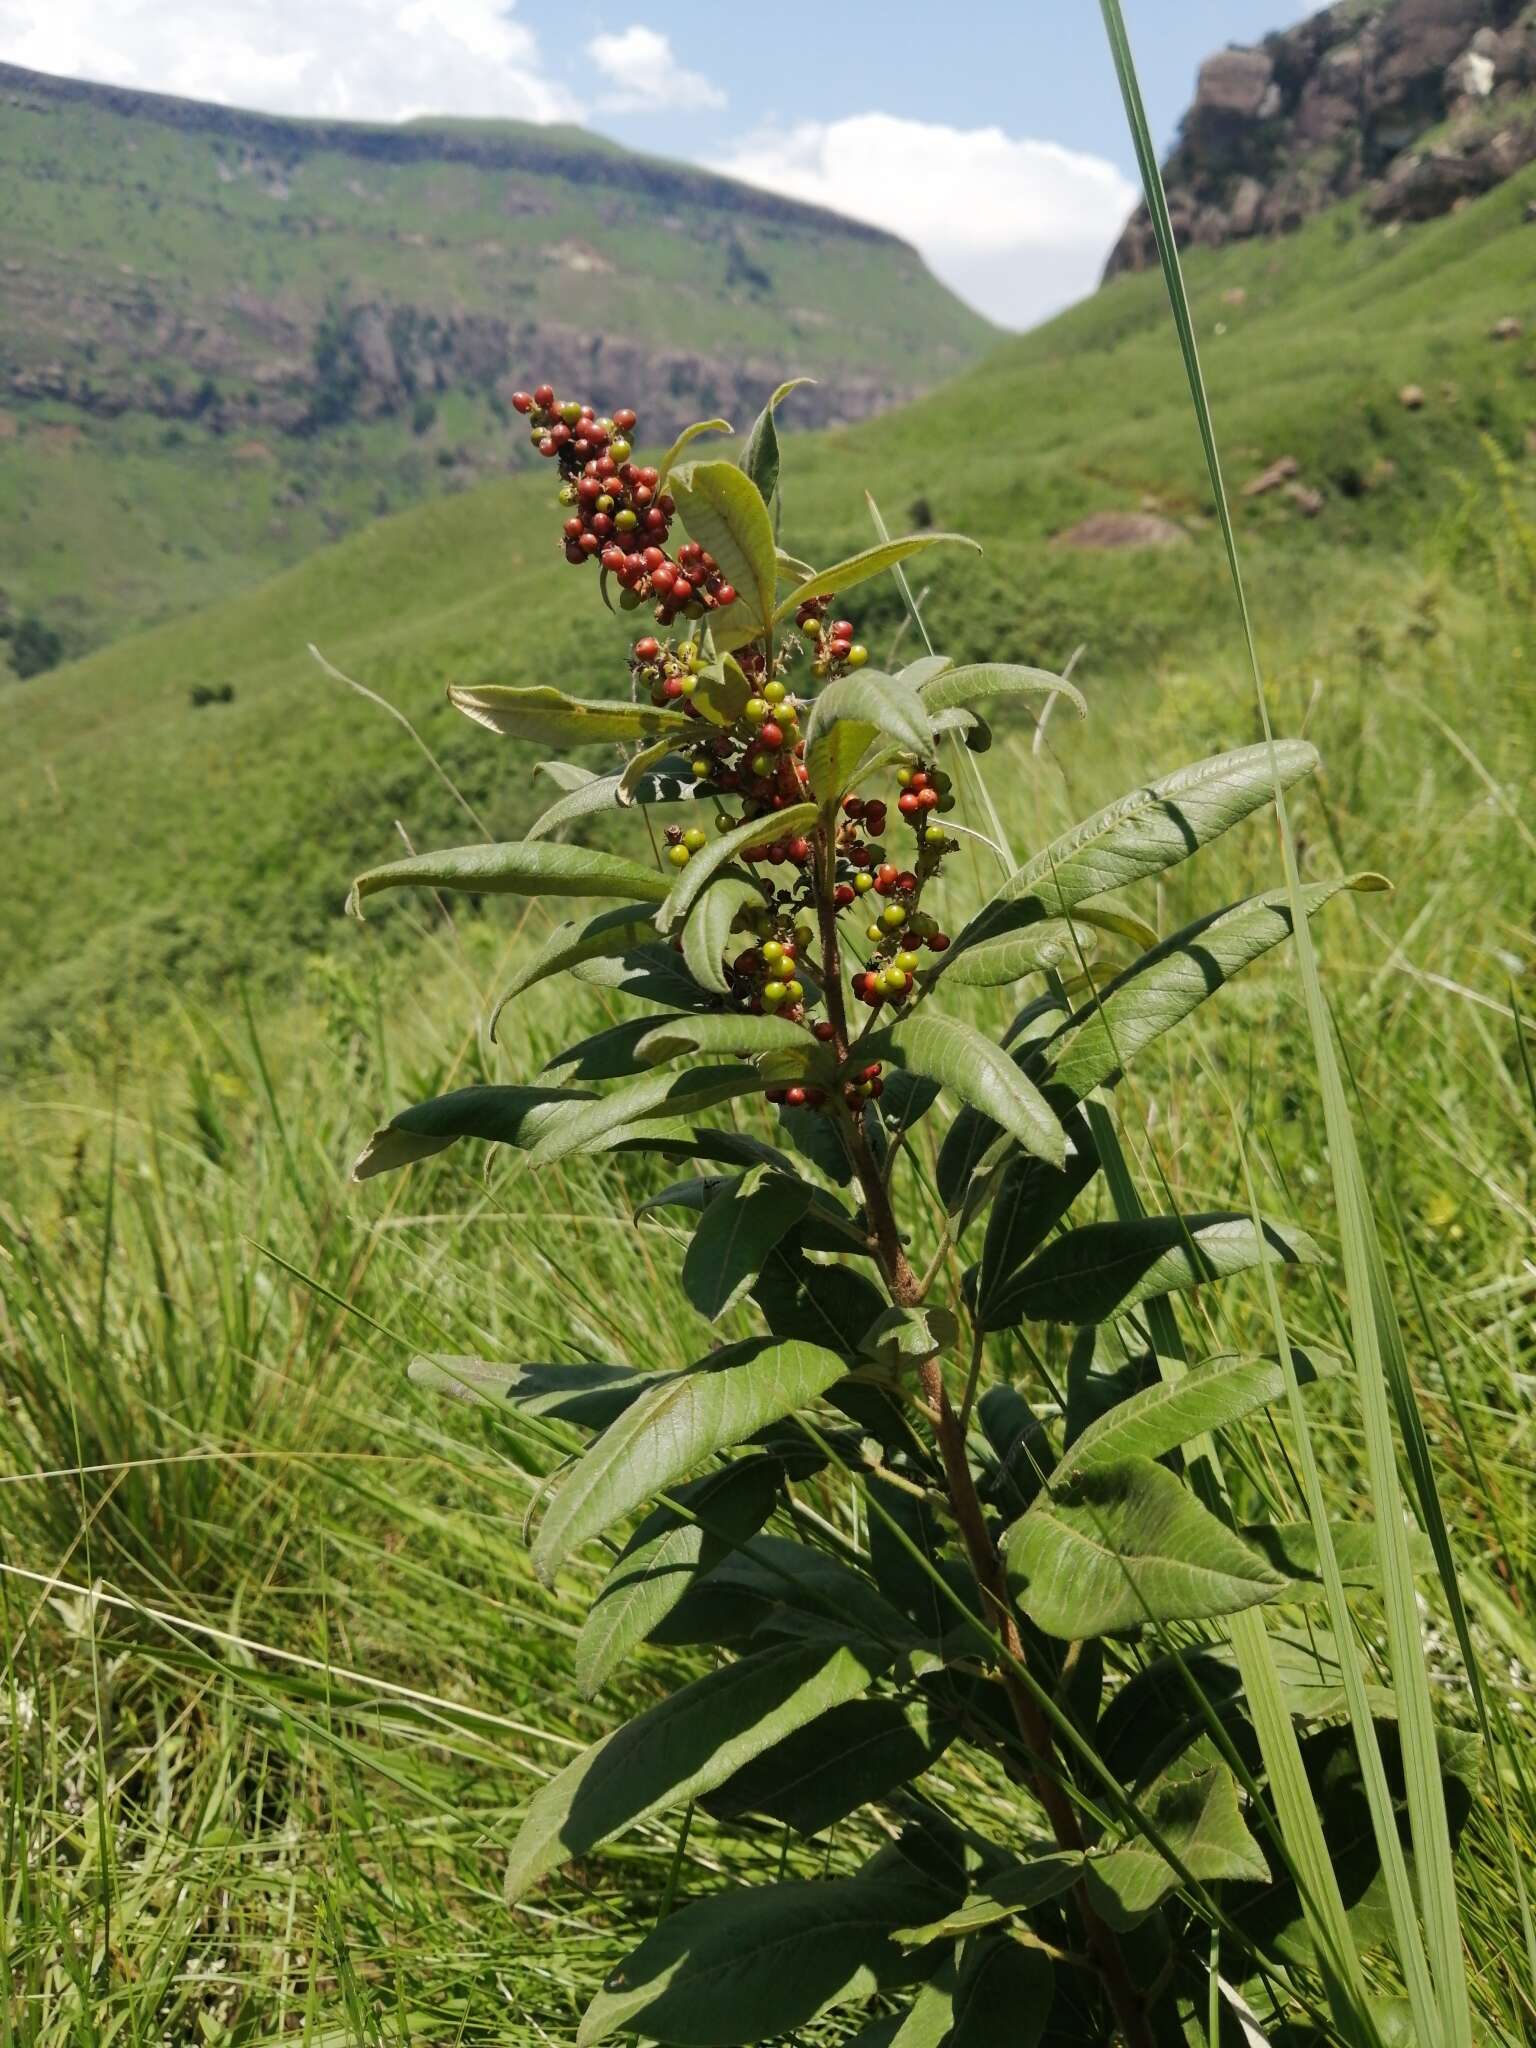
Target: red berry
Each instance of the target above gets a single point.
(726, 594)
(544, 396)
(573, 552)
(874, 819)
(648, 648)
(824, 1030)
(886, 872)
(853, 806)
(876, 1088)
(844, 894)
(771, 734)
(927, 799)
(625, 420)
(795, 1097)
(547, 446)
(842, 629)
(906, 882)
(918, 779)
(613, 559)
(938, 942)
(522, 401)
(589, 545)
(907, 803)
(799, 851)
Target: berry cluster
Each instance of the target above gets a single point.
(619, 513)
(836, 650)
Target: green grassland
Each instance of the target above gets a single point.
(262, 1784)
(185, 272)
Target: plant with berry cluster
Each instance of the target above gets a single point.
(984, 1591)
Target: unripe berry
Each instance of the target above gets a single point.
(893, 917)
(903, 776)
(935, 836)
(695, 839)
(700, 766)
(863, 884)
(754, 711)
(773, 952)
(773, 693)
(679, 856)
(774, 993)
(875, 931)
(794, 990)
(619, 450)
(907, 962)
(857, 656)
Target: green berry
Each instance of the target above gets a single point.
(695, 839)
(761, 764)
(935, 835)
(863, 883)
(773, 952)
(893, 917)
(754, 711)
(700, 766)
(907, 962)
(856, 656)
(774, 692)
(876, 931)
(679, 856)
(774, 993)
(794, 990)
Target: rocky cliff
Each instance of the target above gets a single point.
(1415, 103)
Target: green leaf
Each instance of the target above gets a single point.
(672, 1548)
(1003, 1999)
(760, 458)
(589, 1394)
(1126, 1543)
(1292, 1548)
(595, 793)
(835, 1764)
(751, 1964)
(1161, 1417)
(515, 868)
(1165, 985)
(870, 699)
(713, 1405)
(721, 691)
(832, 758)
(653, 972)
(927, 2020)
(1031, 1199)
(549, 718)
(734, 1033)
(500, 1115)
(1142, 834)
(707, 929)
(589, 1125)
(902, 1338)
(868, 562)
(685, 439)
(1106, 1269)
(1054, 942)
(605, 1056)
(1199, 1820)
(609, 934)
(1017, 1888)
(689, 1743)
(642, 783)
(566, 775)
(743, 1223)
(724, 512)
(694, 879)
(831, 1305)
(954, 1054)
(776, 1586)
(989, 680)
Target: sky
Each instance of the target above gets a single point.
(988, 132)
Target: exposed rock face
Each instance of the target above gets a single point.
(1340, 104)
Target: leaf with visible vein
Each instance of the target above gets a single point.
(1101, 1270)
(515, 868)
(983, 1076)
(546, 716)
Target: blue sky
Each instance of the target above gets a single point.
(988, 132)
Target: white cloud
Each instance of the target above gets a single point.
(643, 72)
(1018, 227)
(380, 60)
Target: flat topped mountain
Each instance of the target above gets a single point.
(278, 328)
(1417, 103)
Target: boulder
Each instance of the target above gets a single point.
(1123, 530)
(1235, 85)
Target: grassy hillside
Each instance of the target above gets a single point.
(226, 338)
(214, 841)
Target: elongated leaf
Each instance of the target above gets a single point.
(606, 1055)
(990, 681)
(592, 1395)
(868, 562)
(566, 775)
(733, 1033)
(1206, 1398)
(724, 512)
(707, 929)
(836, 1764)
(750, 1965)
(760, 457)
(643, 780)
(1159, 990)
(1199, 1820)
(832, 758)
(831, 1305)
(653, 972)
(1105, 1269)
(707, 863)
(743, 1223)
(687, 1745)
(587, 1125)
(1003, 1999)
(775, 1586)
(1017, 1888)
(500, 1115)
(945, 1050)
(1032, 1197)
(609, 934)
(672, 1549)
(1142, 834)
(595, 793)
(721, 691)
(1054, 942)
(927, 2021)
(869, 699)
(1126, 1543)
(515, 869)
(685, 439)
(715, 1404)
(1292, 1548)
(540, 713)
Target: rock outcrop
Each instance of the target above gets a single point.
(1415, 103)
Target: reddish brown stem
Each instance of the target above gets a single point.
(987, 1569)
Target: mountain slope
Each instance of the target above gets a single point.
(213, 842)
(226, 338)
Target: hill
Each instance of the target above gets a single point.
(227, 338)
(213, 841)
(1419, 103)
